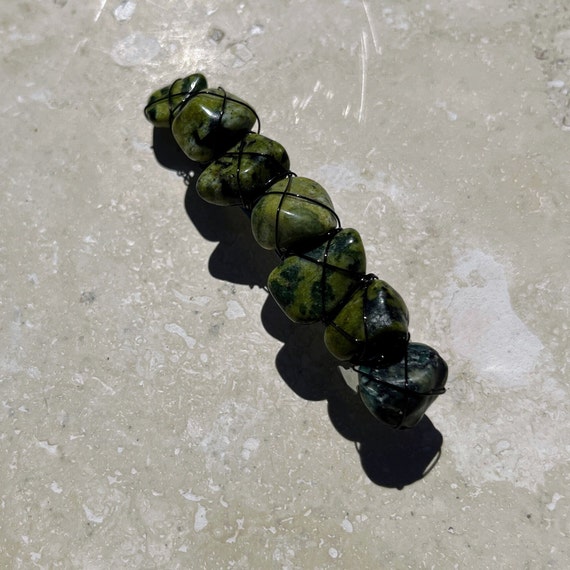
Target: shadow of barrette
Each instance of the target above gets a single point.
(390, 458)
(237, 258)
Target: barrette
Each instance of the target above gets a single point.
(322, 271)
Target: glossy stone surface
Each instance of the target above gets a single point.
(400, 394)
(210, 123)
(294, 213)
(307, 289)
(373, 324)
(165, 101)
(241, 175)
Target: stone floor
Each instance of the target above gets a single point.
(158, 410)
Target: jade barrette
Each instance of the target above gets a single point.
(322, 275)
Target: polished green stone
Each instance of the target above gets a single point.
(210, 123)
(311, 286)
(293, 214)
(373, 324)
(241, 175)
(166, 101)
(400, 394)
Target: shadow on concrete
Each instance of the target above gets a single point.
(237, 258)
(390, 458)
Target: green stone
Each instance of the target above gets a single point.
(167, 101)
(313, 285)
(210, 123)
(373, 324)
(294, 214)
(241, 175)
(400, 394)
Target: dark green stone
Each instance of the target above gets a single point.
(210, 123)
(307, 289)
(400, 394)
(293, 214)
(373, 324)
(241, 175)
(166, 101)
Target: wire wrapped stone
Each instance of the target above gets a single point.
(209, 123)
(400, 393)
(372, 325)
(164, 103)
(295, 214)
(241, 176)
(312, 286)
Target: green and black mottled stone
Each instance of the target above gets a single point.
(241, 175)
(307, 290)
(284, 219)
(400, 394)
(211, 123)
(168, 100)
(372, 325)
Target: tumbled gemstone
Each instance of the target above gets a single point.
(372, 324)
(399, 394)
(167, 101)
(241, 175)
(210, 123)
(294, 214)
(310, 286)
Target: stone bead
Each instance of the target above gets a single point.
(372, 324)
(241, 175)
(168, 100)
(313, 285)
(400, 394)
(210, 123)
(294, 214)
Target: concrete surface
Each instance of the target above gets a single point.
(157, 410)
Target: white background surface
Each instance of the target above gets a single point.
(158, 411)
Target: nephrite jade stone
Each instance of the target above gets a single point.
(312, 286)
(372, 325)
(400, 394)
(293, 213)
(163, 102)
(240, 176)
(210, 123)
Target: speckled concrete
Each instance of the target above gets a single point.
(157, 409)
